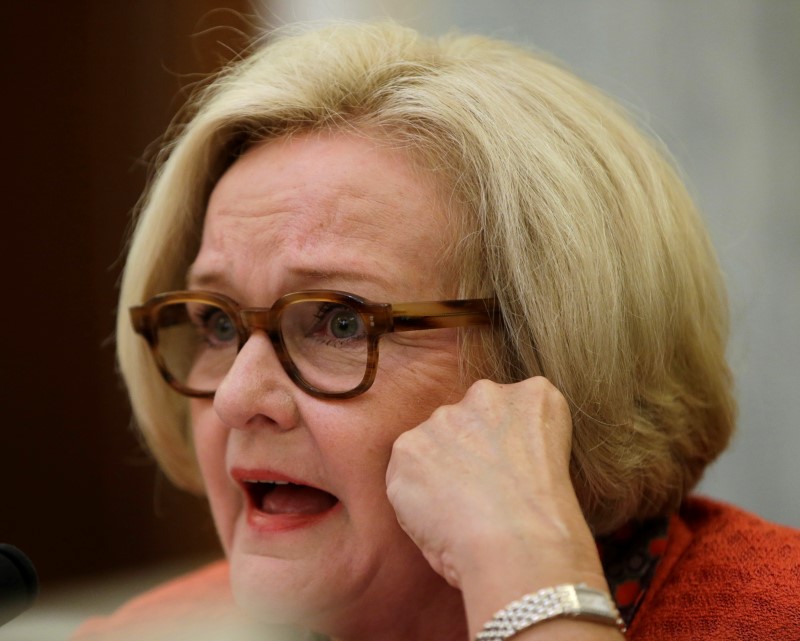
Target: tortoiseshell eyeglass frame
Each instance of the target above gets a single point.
(378, 318)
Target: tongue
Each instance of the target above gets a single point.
(297, 499)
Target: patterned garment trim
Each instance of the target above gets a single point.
(630, 557)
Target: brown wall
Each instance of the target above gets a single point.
(87, 86)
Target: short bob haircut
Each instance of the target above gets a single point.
(569, 215)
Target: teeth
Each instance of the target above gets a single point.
(268, 482)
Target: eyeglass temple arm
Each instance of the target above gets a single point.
(141, 319)
(441, 314)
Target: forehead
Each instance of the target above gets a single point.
(314, 203)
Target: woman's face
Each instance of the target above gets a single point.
(322, 211)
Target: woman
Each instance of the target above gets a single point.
(435, 327)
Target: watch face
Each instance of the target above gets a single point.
(592, 602)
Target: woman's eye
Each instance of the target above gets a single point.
(220, 327)
(213, 325)
(339, 322)
(345, 323)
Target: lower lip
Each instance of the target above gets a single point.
(265, 523)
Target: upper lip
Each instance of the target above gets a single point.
(248, 475)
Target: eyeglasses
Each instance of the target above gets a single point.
(326, 341)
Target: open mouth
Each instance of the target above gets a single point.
(284, 498)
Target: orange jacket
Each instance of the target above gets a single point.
(726, 575)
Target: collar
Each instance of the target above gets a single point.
(629, 557)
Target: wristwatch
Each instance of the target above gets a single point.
(574, 601)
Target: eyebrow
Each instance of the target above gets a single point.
(217, 278)
(202, 279)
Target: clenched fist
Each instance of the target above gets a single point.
(483, 489)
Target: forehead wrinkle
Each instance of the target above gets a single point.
(319, 255)
(354, 229)
(311, 211)
(338, 222)
(342, 202)
(357, 219)
(346, 220)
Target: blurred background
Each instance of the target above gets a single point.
(89, 86)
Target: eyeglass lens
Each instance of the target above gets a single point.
(326, 342)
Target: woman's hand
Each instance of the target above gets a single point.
(483, 489)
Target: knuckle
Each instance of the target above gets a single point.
(538, 384)
(440, 414)
(542, 386)
(545, 395)
(408, 445)
(482, 388)
(401, 444)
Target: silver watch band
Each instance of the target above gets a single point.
(570, 600)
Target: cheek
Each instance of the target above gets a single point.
(407, 390)
(210, 447)
(418, 380)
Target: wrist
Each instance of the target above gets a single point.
(502, 570)
(569, 555)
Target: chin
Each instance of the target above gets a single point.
(337, 597)
(283, 599)
(272, 591)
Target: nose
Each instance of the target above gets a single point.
(257, 392)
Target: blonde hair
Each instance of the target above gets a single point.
(568, 214)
